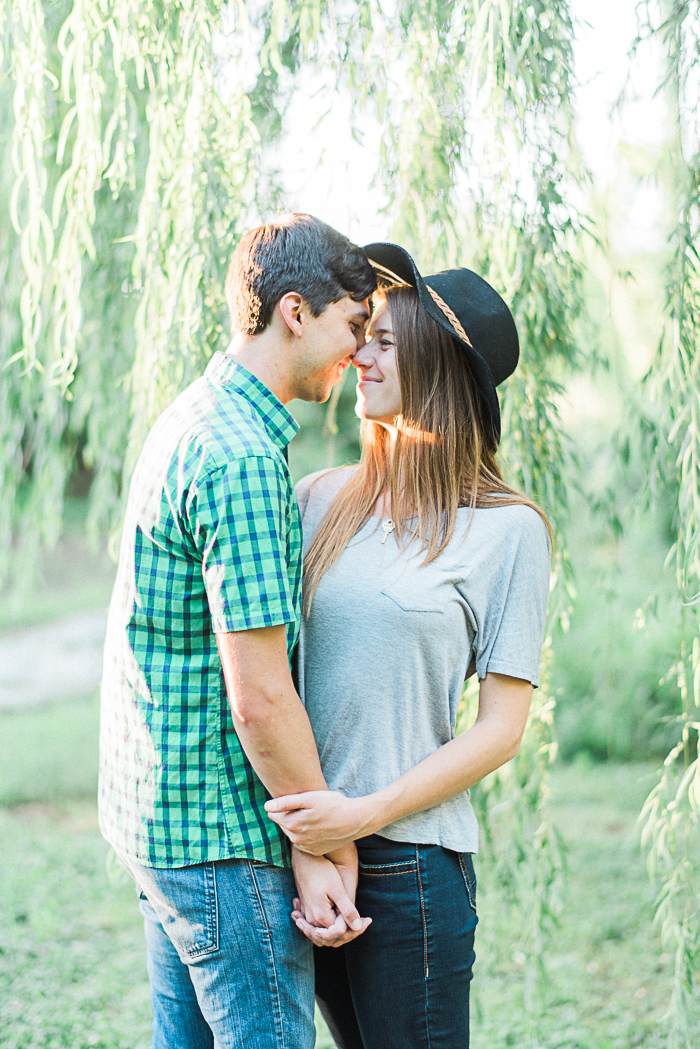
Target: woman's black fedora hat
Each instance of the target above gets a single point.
(468, 308)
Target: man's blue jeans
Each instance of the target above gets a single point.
(228, 967)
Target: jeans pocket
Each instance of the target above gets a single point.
(467, 867)
(189, 911)
(377, 870)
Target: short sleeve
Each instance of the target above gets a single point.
(240, 524)
(514, 611)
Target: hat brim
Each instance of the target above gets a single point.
(394, 265)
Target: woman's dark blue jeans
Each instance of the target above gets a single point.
(404, 984)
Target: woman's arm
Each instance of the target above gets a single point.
(320, 821)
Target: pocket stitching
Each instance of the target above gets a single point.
(386, 874)
(387, 866)
(405, 608)
(258, 897)
(423, 916)
(471, 889)
(212, 915)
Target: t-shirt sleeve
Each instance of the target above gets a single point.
(240, 523)
(514, 606)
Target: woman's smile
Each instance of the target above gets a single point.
(379, 352)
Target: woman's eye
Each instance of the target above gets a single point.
(385, 344)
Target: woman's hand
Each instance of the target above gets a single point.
(325, 911)
(321, 821)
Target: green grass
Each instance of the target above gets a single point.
(72, 965)
(49, 754)
(607, 983)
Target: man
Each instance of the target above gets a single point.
(200, 718)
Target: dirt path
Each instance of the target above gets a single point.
(56, 660)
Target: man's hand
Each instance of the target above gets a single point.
(321, 821)
(324, 910)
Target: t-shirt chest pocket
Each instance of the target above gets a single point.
(412, 596)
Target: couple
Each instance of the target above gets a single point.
(420, 568)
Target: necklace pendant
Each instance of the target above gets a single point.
(387, 527)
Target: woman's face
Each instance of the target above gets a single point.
(378, 389)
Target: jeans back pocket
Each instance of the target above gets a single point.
(186, 903)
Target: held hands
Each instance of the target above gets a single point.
(322, 826)
(320, 821)
(324, 911)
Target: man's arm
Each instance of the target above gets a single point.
(269, 717)
(239, 507)
(275, 733)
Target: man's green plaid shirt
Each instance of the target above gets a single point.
(211, 544)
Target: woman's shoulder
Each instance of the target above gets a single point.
(317, 490)
(503, 550)
(520, 514)
(512, 522)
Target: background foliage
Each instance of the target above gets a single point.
(136, 144)
(670, 425)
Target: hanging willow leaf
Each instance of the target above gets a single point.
(671, 815)
(201, 164)
(29, 218)
(149, 164)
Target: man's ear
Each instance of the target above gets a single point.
(293, 308)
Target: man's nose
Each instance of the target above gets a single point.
(361, 340)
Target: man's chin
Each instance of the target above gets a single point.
(320, 390)
(318, 396)
(324, 391)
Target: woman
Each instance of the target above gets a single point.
(422, 567)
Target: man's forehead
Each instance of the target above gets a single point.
(357, 310)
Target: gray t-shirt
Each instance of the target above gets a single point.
(385, 651)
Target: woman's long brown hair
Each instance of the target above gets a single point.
(444, 456)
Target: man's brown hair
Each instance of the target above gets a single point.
(296, 252)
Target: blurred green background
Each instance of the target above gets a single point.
(72, 966)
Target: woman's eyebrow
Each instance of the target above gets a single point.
(382, 331)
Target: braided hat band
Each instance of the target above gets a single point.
(439, 302)
(450, 314)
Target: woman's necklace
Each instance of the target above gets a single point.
(387, 527)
